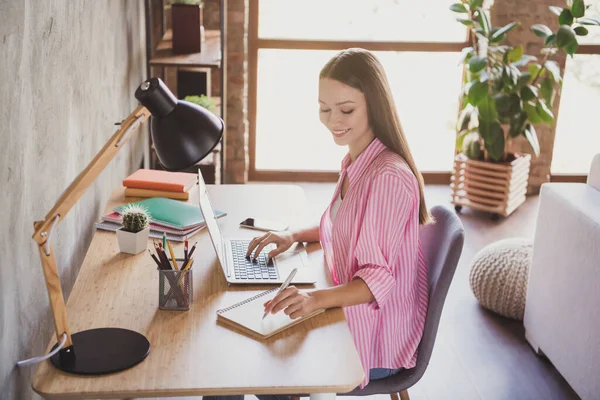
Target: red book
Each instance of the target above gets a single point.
(161, 180)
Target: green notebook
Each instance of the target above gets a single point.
(172, 213)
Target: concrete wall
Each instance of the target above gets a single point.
(68, 71)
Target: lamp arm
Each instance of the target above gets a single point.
(66, 201)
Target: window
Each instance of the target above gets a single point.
(418, 43)
(577, 130)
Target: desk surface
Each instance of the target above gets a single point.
(190, 353)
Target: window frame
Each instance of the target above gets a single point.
(578, 178)
(255, 44)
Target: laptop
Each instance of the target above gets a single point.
(231, 253)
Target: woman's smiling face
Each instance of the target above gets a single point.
(343, 110)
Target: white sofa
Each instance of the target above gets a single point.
(562, 311)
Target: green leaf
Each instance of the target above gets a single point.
(460, 138)
(502, 103)
(556, 10)
(507, 77)
(493, 38)
(459, 8)
(554, 70)
(484, 22)
(565, 17)
(532, 114)
(517, 123)
(523, 79)
(571, 48)
(477, 63)
(475, 3)
(534, 70)
(543, 111)
(532, 138)
(581, 31)
(578, 8)
(487, 109)
(547, 91)
(493, 140)
(463, 119)
(529, 92)
(514, 54)
(503, 30)
(525, 59)
(541, 30)
(477, 92)
(466, 54)
(466, 22)
(564, 36)
(550, 40)
(589, 21)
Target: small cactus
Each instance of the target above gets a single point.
(135, 218)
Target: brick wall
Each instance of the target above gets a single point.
(236, 134)
(528, 13)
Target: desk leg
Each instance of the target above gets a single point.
(322, 396)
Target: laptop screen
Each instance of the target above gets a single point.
(211, 221)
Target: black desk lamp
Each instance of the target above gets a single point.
(183, 134)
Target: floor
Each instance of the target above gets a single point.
(477, 354)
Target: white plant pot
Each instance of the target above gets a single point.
(133, 243)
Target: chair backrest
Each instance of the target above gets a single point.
(442, 243)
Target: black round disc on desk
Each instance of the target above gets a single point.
(102, 351)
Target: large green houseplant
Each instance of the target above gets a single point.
(507, 92)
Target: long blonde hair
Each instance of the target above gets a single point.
(361, 70)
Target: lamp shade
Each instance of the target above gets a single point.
(183, 133)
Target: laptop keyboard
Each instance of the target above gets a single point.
(247, 269)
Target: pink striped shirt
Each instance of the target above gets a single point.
(375, 237)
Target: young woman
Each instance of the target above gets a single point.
(370, 231)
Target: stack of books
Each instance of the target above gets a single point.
(157, 183)
(178, 220)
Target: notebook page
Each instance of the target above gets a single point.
(250, 316)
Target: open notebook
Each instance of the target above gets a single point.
(247, 316)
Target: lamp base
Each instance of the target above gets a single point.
(102, 351)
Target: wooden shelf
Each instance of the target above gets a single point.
(209, 57)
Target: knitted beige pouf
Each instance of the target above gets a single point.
(499, 276)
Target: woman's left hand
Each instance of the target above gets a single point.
(293, 302)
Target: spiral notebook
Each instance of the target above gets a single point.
(247, 316)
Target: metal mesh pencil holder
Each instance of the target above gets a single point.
(175, 289)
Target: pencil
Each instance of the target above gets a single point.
(155, 259)
(192, 250)
(173, 256)
(185, 252)
(188, 265)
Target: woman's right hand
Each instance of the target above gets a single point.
(284, 240)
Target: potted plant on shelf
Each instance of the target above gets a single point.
(505, 93)
(133, 235)
(203, 101)
(187, 25)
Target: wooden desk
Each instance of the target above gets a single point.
(190, 353)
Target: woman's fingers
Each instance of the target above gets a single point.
(262, 244)
(254, 242)
(293, 309)
(290, 291)
(288, 301)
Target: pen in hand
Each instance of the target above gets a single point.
(284, 285)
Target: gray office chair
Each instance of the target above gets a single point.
(442, 244)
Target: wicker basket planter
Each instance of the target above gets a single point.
(495, 187)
